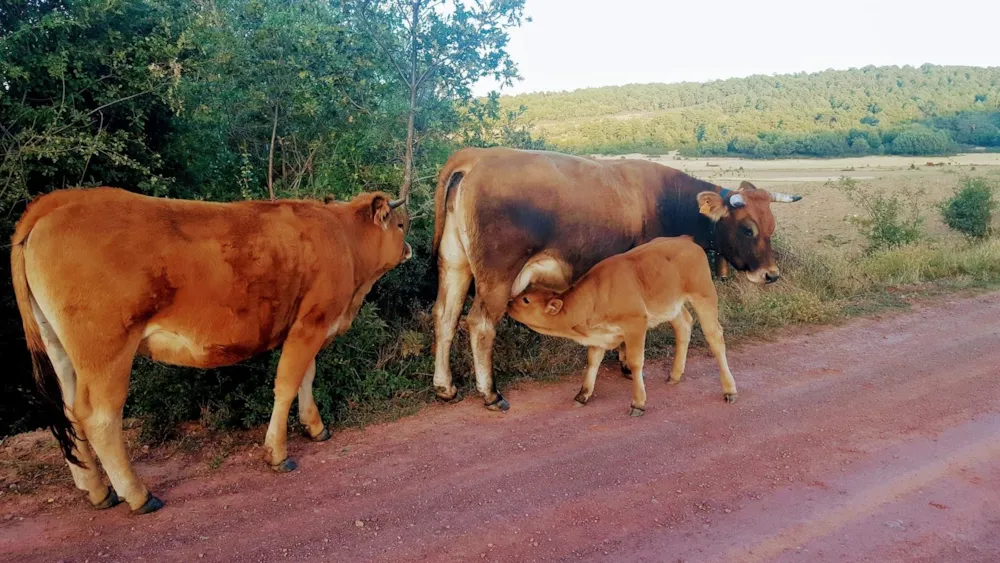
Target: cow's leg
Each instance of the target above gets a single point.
(308, 411)
(682, 324)
(623, 361)
(100, 399)
(635, 340)
(453, 287)
(708, 314)
(595, 356)
(297, 355)
(721, 267)
(88, 478)
(487, 310)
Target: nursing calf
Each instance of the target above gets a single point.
(102, 275)
(619, 299)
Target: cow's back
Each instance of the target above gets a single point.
(652, 279)
(227, 275)
(520, 203)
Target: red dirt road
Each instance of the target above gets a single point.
(874, 441)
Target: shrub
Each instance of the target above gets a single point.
(970, 209)
(919, 140)
(889, 220)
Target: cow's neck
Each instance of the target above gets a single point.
(364, 258)
(677, 211)
(577, 306)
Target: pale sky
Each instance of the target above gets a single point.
(581, 43)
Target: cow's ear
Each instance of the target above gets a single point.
(381, 210)
(711, 205)
(747, 186)
(554, 306)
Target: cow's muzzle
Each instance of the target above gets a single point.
(763, 276)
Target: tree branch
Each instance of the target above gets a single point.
(105, 106)
(371, 33)
(270, 156)
(427, 72)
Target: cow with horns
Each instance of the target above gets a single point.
(102, 275)
(496, 209)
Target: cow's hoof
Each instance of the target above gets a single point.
(111, 500)
(285, 466)
(452, 396)
(581, 399)
(730, 397)
(152, 504)
(499, 404)
(636, 411)
(626, 372)
(321, 437)
(673, 381)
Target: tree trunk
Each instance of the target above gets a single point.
(404, 192)
(270, 156)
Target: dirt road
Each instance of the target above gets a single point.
(874, 441)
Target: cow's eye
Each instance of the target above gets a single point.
(525, 299)
(400, 225)
(746, 230)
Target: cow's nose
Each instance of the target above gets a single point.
(770, 277)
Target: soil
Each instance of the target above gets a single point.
(872, 441)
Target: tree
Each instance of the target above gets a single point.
(83, 95)
(439, 48)
(269, 95)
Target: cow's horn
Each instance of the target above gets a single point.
(784, 198)
(736, 200)
(396, 203)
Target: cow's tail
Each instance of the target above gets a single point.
(46, 379)
(457, 166)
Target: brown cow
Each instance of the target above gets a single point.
(103, 274)
(497, 208)
(620, 298)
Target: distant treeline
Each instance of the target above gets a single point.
(874, 110)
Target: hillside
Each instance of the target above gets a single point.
(873, 110)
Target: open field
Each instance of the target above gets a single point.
(819, 218)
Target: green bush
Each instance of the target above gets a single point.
(889, 220)
(970, 209)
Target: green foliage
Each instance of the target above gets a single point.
(489, 125)
(810, 114)
(917, 141)
(970, 209)
(183, 99)
(889, 221)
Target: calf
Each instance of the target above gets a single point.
(619, 299)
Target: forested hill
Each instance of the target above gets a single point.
(896, 110)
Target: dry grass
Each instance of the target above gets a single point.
(822, 286)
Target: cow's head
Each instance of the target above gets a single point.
(743, 228)
(385, 223)
(537, 307)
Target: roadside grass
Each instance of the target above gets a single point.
(816, 288)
